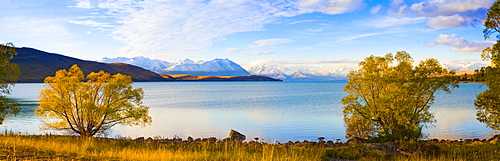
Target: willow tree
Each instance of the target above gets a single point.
(90, 105)
(8, 76)
(488, 102)
(390, 98)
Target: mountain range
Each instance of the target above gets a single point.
(215, 67)
(35, 65)
(226, 67)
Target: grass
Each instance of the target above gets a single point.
(14, 147)
(56, 147)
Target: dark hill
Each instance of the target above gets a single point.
(35, 65)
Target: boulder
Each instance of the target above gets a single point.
(235, 135)
(139, 140)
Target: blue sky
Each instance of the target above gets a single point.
(249, 32)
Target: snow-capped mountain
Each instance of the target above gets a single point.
(215, 67)
(301, 73)
(154, 65)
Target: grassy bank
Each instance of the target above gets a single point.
(14, 147)
(42, 147)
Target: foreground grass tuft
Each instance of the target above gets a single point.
(51, 147)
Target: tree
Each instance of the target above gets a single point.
(492, 24)
(8, 76)
(488, 102)
(390, 99)
(91, 107)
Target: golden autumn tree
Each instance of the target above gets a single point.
(91, 105)
(8, 76)
(389, 98)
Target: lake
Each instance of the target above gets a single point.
(273, 111)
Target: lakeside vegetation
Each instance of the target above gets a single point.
(55, 147)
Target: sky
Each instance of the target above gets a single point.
(250, 32)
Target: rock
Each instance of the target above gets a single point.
(235, 135)
(190, 139)
(386, 148)
(330, 143)
(139, 140)
(356, 140)
(212, 139)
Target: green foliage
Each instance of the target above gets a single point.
(8, 76)
(393, 96)
(492, 24)
(488, 102)
(91, 107)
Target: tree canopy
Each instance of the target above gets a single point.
(91, 105)
(488, 102)
(8, 76)
(390, 98)
(492, 24)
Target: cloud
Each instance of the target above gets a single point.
(444, 13)
(300, 62)
(302, 21)
(376, 9)
(172, 27)
(397, 21)
(460, 44)
(260, 44)
(82, 4)
(358, 37)
(433, 8)
(91, 23)
(447, 21)
(38, 32)
(397, 8)
(270, 42)
(262, 53)
(330, 6)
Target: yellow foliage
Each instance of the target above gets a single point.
(91, 107)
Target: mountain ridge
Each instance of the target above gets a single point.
(35, 65)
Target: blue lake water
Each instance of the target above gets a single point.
(274, 111)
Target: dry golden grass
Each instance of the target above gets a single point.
(46, 147)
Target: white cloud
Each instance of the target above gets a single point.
(82, 4)
(91, 23)
(330, 6)
(45, 34)
(460, 44)
(270, 42)
(262, 53)
(434, 8)
(397, 21)
(157, 26)
(258, 45)
(358, 37)
(397, 8)
(302, 21)
(376, 9)
(170, 27)
(451, 13)
(447, 21)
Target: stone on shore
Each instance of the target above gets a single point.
(235, 135)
